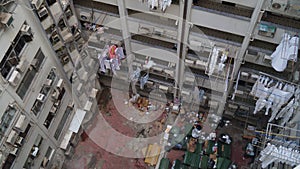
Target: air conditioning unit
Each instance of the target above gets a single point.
(43, 12)
(41, 97)
(34, 63)
(53, 110)
(60, 83)
(279, 5)
(19, 141)
(25, 28)
(37, 3)
(85, 16)
(163, 88)
(55, 38)
(14, 151)
(6, 19)
(22, 65)
(14, 78)
(55, 94)
(189, 79)
(48, 82)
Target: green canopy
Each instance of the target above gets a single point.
(191, 159)
(204, 161)
(223, 163)
(227, 150)
(164, 163)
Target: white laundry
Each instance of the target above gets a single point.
(260, 103)
(272, 153)
(164, 4)
(213, 61)
(119, 53)
(221, 67)
(135, 75)
(293, 49)
(102, 57)
(285, 109)
(280, 98)
(280, 56)
(144, 80)
(153, 4)
(254, 88)
(296, 115)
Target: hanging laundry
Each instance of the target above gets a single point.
(260, 103)
(144, 80)
(213, 61)
(102, 57)
(135, 75)
(293, 49)
(279, 98)
(254, 88)
(120, 53)
(282, 154)
(286, 50)
(201, 95)
(236, 85)
(221, 67)
(296, 116)
(165, 4)
(153, 4)
(112, 53)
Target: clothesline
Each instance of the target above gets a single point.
(279, 79)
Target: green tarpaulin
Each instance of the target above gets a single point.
(191, 159)
(223, 163)
(204, 161)
(164, 163)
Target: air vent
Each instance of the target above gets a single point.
(279, 5)
(37, 3)
(276, 6)
(6, 19)
(42, 12)
(41, 97)
(14, 78)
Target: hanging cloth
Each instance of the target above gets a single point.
(280, 56)
(144, 80)
(112, 53)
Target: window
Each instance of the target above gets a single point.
(47, 157)
(26, 82)
(62, 122)
(6, 120)
(12, 55)
(50, 2)
(34, 153)
(24, 134)
(30, 74)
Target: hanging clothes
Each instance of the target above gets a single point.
(280, 98)
(293, 49)
(135, 75)
(144, 80)
(254, 88)
(201, 95)
(153, 4)
(112, 53)
(213, 61)
(164, 4)
(280, 57)
(102, 57)
(120, 53)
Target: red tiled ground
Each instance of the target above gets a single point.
(89, 154)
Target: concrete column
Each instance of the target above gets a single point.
(182, 41)
(126, 37)
(240, 56)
